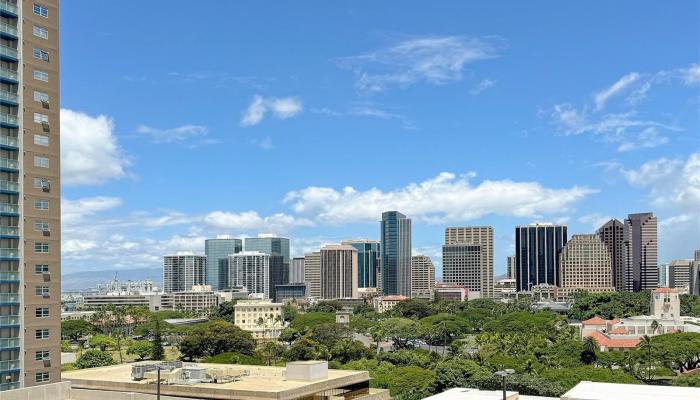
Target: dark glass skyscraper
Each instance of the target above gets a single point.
(367, 262)
(395, 251)
(641, 252)
(217, 252)
(537, 248)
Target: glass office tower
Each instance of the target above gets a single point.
(367, 262)
(395, 251)
(217, 252)
(537, 249)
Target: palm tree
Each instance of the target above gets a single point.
(590, 346)
(646, 344)
(654, 326)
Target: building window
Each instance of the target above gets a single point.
(41, 10)
(41, 225)
(41, 97)
(41, 75)
(41, 162)
(41, 377)
(40, 54)
(41, 204)
(40, 32)
(41, 312)
(40, 247)
(41, 334)
(41, 268)
(40, 118)
(41, 140)
(42, 290)
(41, 183)
(42, 355)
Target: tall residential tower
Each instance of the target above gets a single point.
(181, 272)
(395, 251)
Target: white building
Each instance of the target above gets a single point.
(250, 269)
(262, 318)
(181, 272)
(386, 303)
(422, 277)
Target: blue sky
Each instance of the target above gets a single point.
(184, 120)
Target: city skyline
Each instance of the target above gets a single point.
(566, 145)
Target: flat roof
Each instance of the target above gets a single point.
(620, 391)
(261, 382)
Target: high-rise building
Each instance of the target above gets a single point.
(679, 274)
(612, 234)
(278, 250)
(537, 248)
(278, 271)
(250, 269)
(640, 252)
(312, 274)
(663, 275)
(395, 254)
(296, 270)
(422, 277)
(510, 267)
(459, 263)
(30, 217)
(695, 274)
(339, 272)
(181, 272)
(367, 261)
(217, 252)
(585, 265)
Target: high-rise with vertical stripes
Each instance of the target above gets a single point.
(30, 215)
(537, 251)
(641, 248)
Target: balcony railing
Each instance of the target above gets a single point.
(8, 51)
(9, 253)
(9, 276)
(8, 163)
(9, 297)
(8, 96)
(9, 386)
(8, 119)
(9, 7)
(9, 208)
(9, 29)
(9, 231)
(9, 365)
(9, 343)
(8, 74)
(9, 320)
(11, 186)
(9, 141)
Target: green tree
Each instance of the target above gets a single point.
(306, 321)
(329, 334)
(590, 349)
(75, 329)
(401, 331)
(141, 349)
(679, 350)
(413, 309)
(94, 358)
(103, 342)
(345, 350)
(270, 352)
(330, 306)
(306, 348)
(215, 337)
(225, 311)
(458, 372)
(410, 383)
(647, 346)
(158, 350)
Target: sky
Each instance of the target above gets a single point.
(181, 121)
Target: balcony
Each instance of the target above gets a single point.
(6, 276)
(9, 232)
(9, 365)
(9, 143)
(8, 75)
(9, 386)
(8, 53)
(9, 320)
(9, 165)
(8, 121)
(8, 9)
(9, 188)
(9, 298)
(8, 31)
(8, 98)
(9, 343)
(9, 254)
(9, 209)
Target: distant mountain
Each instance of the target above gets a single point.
(89, 279)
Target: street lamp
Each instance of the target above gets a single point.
(503, 374)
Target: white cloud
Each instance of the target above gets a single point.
(90, 153)
(690, 75)
(622, 84)
(433, 59)
(481, 86)
(281, 108)
(252, 221)
(178, 134)
(594, 220)
(75, 211)
(646, 139)
(443, 198)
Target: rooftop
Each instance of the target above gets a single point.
(594, 321)
(618, 391)
(604, 340)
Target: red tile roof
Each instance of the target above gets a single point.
(394, 298)
(664, 290)
(613, 343)
(614, 321)
(618, 331)
(595, 321)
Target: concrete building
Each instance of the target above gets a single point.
(151, 300)
(250, 269)
(454, 292)
(289, 292)
(585, 265)
(339, 272)
(679, 274)
(510, 267)
(296, 270)
(537, 248)
(200, 298)
(641, 252)
(463, 266)
(612, 234)
(181, 272)
(395, 251)
(663, 275)
(422, 277)
(695, 274)
(504, 289)
(217, 252)
(312, 274)
(262, 318)
(368, 253)
(386, 303)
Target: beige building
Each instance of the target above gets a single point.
(312, 274)
(181, 272)
(641, 248)
(422, 277)
(386, 303)
(467, 258)
(262, 318)
(30, 206)
(339, 272)
(200, 299)
(679, 274)
(585, 265)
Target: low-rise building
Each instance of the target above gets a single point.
(454, 292)
(200, 299)
(262, 318)
(290, 292)
(385, 303)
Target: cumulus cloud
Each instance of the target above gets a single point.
(281, 108)
(170, 135)
(252, 221)
(90, 153)
(445, 197)
(431, 59)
